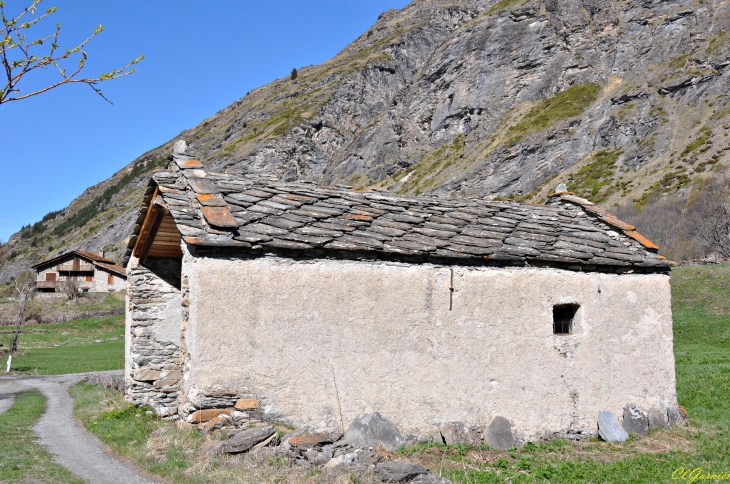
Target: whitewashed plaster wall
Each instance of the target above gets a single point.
(284, 331)
(101, 281)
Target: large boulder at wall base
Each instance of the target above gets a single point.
(499, 434)
(634, 420)
(372, 430)
(456, 433)
(677, 416)
(658, 418)
(609, 429)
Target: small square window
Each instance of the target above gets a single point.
(563, 318)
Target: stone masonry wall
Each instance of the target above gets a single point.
(319, 341)
(154, 314)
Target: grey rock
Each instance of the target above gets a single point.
(429, 479)
(317, 457)
(245, 440)
(499, 434)
(658, 419)
(166, 411)
(456, 433)
(342, 460)
(367, 458)
(400, 470)
(180, 147)
(228, 433)
(634, 420)
(307, 439)
(609, 429)
(676, 416)
(372, 430)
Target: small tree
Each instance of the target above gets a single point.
(19, 58)
(24, 290)
(294, 74)
(70, 288)
(708, 216)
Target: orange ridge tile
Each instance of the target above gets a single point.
(642, 240)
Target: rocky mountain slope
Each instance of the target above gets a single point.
(623, 101)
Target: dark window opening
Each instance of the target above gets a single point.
(563, 318)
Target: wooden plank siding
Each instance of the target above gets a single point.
(167, 240)
(158, 236)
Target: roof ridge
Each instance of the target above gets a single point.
(605, 216)
(249, 212)
(89, 255)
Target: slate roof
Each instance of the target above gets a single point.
(119, 270)
(96, 259)
(254, 213)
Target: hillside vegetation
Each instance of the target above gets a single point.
(625, 102)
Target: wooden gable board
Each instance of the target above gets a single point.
(158, 236)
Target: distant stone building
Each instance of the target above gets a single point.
(92, 271)
(325, 304)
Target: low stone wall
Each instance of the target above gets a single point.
(154, 313)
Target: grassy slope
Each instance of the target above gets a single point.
(23, 459)
(701, 305)
(84, 345)
(108, 355)
(78, 332)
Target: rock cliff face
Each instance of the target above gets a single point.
(620, 100)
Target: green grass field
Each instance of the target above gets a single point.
(22, 458)
(76, 346)
(107, 355)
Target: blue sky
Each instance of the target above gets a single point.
(199, 58)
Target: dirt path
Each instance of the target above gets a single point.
(73, 446)
(6, 401)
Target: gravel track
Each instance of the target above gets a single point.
(73, 446)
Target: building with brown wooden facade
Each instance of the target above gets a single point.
(93, 272)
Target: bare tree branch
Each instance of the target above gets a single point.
(70, 288)
(25, 286)
(19, 59)
(708, 213)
